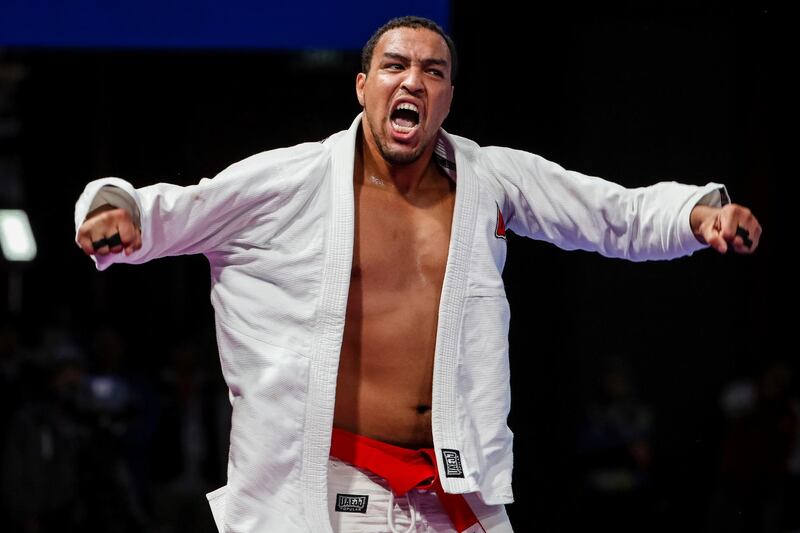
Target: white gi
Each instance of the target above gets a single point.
(277, 229)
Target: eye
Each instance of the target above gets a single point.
(394, 66)
(436, 72)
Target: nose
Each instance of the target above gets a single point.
(413, 80)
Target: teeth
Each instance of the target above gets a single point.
(410, 107)
(401, 129)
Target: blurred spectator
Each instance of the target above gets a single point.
(759, 454)
(41, 468)
(20, 382)
(191, 441)
(113, 407)
(62, 466)
(615, 452)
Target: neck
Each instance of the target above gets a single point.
(406, 178)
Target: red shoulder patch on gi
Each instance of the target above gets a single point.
(500, 229)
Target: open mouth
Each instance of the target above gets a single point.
(405, 117)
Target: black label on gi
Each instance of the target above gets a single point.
(452, 463)
(351, 503)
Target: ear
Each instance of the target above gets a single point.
(361, 79)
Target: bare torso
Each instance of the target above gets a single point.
(386, 368)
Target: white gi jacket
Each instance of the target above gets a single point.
(277, 229)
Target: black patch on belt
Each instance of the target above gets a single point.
(351, 503)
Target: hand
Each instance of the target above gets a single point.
(732, 226)
(109, 229)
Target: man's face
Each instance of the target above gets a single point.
(407, 93)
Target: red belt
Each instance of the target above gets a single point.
(404, 469)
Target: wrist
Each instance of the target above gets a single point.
(699, 215)
(97, 210)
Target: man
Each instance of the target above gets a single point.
(360, 310)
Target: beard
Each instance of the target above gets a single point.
(394, 156)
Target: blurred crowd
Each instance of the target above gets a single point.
(755, 475)
(94, 442)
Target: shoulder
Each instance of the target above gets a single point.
(499, 162)
(293, 158)
(278, 171)
(488, 155)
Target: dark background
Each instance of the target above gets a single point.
(646, 397)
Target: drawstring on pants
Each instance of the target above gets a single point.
(411, 510)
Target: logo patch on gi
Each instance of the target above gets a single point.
(500, 229)
(351, 503)
(452, 463)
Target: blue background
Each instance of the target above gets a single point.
(208, 24)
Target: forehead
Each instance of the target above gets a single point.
(414, 43)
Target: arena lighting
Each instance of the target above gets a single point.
(16, 237)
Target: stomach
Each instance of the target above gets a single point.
(385, 380)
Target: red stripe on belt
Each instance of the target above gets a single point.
(404, 469)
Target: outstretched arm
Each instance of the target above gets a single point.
(725, 227)
(163, 219)
(243, 206)
(577, 211)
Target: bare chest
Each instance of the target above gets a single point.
(399, 244)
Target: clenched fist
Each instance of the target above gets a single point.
(730, 227)
(109, 229)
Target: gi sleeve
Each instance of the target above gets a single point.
(207, 217)
(576, 211)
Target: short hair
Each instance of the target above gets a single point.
(408, 22)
